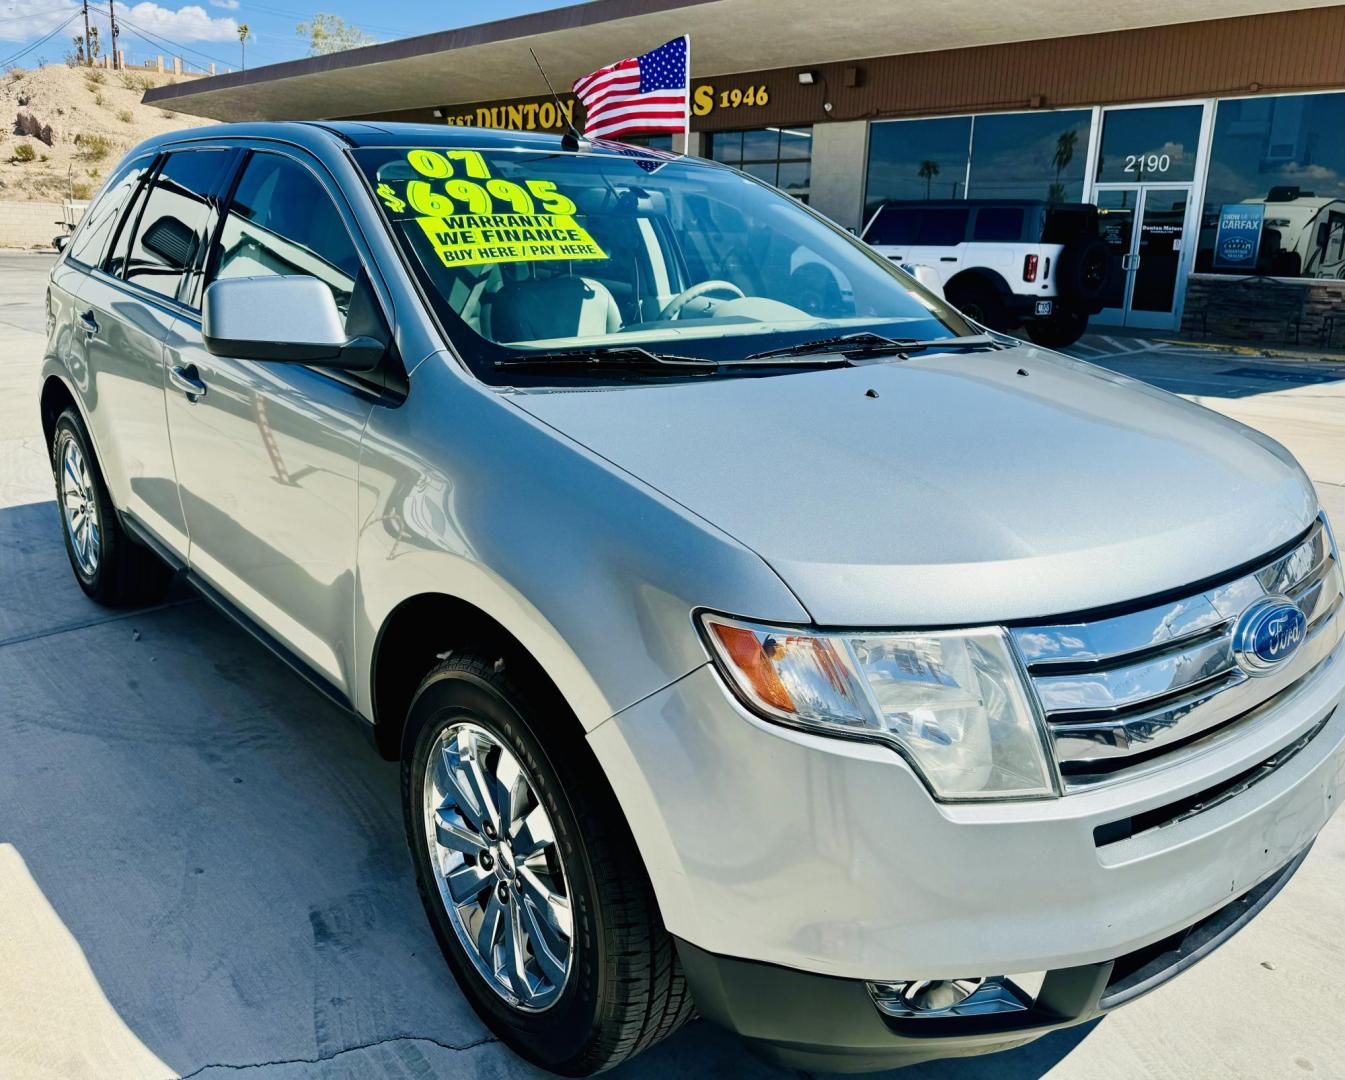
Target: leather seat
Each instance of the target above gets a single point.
(537, 309)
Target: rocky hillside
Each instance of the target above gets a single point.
(63, 128)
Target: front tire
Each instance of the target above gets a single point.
(110, 567)
(529, 875)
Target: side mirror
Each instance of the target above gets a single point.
(60, 242)
(288, 319)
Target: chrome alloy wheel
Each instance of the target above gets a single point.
(498, 869)
(79, 510)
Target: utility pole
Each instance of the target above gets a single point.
(112, 18)
(88, 55)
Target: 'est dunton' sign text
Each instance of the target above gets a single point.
(548, 115)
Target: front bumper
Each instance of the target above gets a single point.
(830, 857)
(817, 1022)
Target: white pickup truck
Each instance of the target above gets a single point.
(1006, 262)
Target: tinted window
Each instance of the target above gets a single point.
(917, 159)
(940, 228)
(779, 156)
(1038, 155)
(90, 243)
(1287, 156)
(1150, 144)
(893, 225)
(282, 221)
(172, 227)
(998, 223)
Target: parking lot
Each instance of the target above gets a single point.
(202, 867)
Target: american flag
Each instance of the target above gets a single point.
(641, 93)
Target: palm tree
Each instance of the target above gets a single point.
(928, 170)
(244, 32)
(1064, 154)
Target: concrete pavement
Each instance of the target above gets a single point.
(202, 867)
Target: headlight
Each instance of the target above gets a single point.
(950, 700)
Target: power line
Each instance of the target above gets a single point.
(162, 42)
(42, 40)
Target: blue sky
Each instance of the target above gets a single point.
(205, 30)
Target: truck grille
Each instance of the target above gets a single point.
(1136, 689)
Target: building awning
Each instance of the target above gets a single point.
(490, 61)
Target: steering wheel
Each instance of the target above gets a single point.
(678, 302)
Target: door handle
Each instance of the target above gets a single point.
(87, 322)
(188, 381)
(1130, 262)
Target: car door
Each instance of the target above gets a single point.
(267, 453)
(158, 216)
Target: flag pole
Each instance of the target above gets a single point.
(686, 125)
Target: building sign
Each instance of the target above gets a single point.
(545, 114)
(1239, 236)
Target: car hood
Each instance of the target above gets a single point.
(953, 489)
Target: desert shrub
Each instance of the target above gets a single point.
(134, 80)
(99, 99)
(44, 157)
(24, 152)
(168, 114)
(80, 190)
(93, 147)
(125, 116)
(95, 78)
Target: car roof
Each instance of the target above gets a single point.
(329, 134)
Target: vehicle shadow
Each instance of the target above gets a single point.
(204, 862)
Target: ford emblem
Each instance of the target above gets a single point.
(1267, 634)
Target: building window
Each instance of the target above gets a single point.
(1153, 144)
(1285, 156)
(917, 159)
(779, 156)
(650, 142)
(1040, 155)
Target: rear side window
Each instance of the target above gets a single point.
(998, 224)
(281, 221)
(172, 228)
(942, 228)
(1067, 226)
(893, 225)
(90, 243)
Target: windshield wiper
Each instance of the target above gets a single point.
(864, 343)
(608, 358)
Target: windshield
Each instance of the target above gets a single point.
(531, 252)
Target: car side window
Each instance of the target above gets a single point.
(894, 225)
(90, 243)
(282, 221)
(942, 228)
(173, 225)
(998, 224)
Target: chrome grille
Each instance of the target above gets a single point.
(1137, 688)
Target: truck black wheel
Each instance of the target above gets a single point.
(981, 303)
(111, 568)
(529, 875)
(1084, 269)
(1059, 330)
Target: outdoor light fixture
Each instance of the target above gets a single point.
(807, 78)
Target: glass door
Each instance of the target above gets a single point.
(1145, 228)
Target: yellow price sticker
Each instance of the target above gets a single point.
(470, 217)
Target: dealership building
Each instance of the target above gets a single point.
(1209, 133)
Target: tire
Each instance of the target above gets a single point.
(111, 568)
(622, 988)
(1083, 271)
(980, 302)
(1058, 331)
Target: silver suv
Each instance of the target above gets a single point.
(756, 638)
